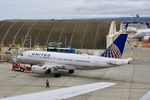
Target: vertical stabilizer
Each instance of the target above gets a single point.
(115, 50)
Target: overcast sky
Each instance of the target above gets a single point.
(60, 9)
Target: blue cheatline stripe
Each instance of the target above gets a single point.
(115, 50)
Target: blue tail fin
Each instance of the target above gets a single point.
(115, 50)
(126, 26)
(147, 24)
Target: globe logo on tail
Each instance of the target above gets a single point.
(112, 52)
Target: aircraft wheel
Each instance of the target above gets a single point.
(57, 75)
(48, 71)
(71, 71)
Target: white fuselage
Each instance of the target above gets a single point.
(131, 29)
(142, 32)
(79, 61)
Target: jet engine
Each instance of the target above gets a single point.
(44, 69)
(39, 69)
(146, 38)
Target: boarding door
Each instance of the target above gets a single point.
(29, 57)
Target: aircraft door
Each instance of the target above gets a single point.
(29, 57)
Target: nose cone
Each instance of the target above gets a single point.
(19, 58)
(33, 69)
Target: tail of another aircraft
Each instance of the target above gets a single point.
(147, 24)
(115, 50)
(126, 26)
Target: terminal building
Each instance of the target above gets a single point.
(81, 34)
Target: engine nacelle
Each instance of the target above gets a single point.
(146, 38)
(39, 69)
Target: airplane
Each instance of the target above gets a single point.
(51, 62)
(143, 33)
(63, 93)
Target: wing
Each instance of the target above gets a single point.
(58, 66)
(64, 93)
(146, 96)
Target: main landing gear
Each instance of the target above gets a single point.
(57, 75)
(71, 71)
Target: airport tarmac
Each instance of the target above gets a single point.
(132, 81)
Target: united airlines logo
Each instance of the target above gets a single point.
(41, 54)
(112, 52)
